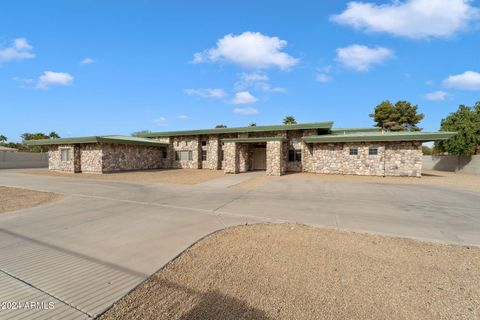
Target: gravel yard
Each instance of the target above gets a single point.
(290, 271)
(175, 176)
(15, 198)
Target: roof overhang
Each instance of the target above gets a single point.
(97, 139)
(378, 137)
(283, 127)
(254, 140)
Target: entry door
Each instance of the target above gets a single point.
(259, 159)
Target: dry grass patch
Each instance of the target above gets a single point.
(254, 182)
(15, 198)
(299, 272)
(429, 177)
(175, 176)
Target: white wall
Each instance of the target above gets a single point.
(16, 160)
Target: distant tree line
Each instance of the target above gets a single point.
(21, 146)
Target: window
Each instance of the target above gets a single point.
(164, 154)
(221, 155)
(204, 155)
(294, 155)
(204, 143)
(65, 155)
(372, 151)
(353, 151)
(183, 155)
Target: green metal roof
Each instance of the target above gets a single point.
(97, 139)
(380, 136)
(301, 126)
(256, 139)
(354, 130)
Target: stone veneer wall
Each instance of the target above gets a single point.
(91, 158)
(55, 162)
(393, 159)
(186, 143)
(230, 160)
(213, 152)
(243, 154)
(117, 157)
(295, 143)
(404, 159)
(275, 158)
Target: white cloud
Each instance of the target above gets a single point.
(323, 77)
(469, 80)
(213, 93)
(436, 95)
(161, 121)
(256, 81)
(410, 18)
(183, 117)
(246, 111)
(87, 61)
(362, 58)
(50, 78)
(250, 50)
(20, 50)
(244, 97)
(429, 82)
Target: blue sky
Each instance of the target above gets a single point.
(115, 67)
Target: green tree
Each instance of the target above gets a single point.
(218, 126)
(289, 120)
(3, 139)
(39, 136)
(427, 151)
(140, 133)
(401, 116)
(253, 124)
(466, 122)
(53, 135)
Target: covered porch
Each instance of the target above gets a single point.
(258, 153)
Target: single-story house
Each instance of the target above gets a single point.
(309, 147)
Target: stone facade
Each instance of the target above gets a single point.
(55, 162)
(230, 162)
(392, 159)
(389, 158)
(276, 165)
(100, 158)
(186, 143)
(212, 148)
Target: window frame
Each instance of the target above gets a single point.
(204, 155)
(183, 155)
(294, 155)
(353, 151)
(371, 149)
(67, 152)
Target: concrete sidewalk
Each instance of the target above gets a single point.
(102, 239)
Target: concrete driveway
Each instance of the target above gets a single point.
(89, 249)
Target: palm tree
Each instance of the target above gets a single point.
(3, 139)
(289, 120)
(253, 124)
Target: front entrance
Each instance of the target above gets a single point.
(259, 158)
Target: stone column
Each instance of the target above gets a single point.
(230, 157)
(275, 161)
(213, 153)
(243, 157)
